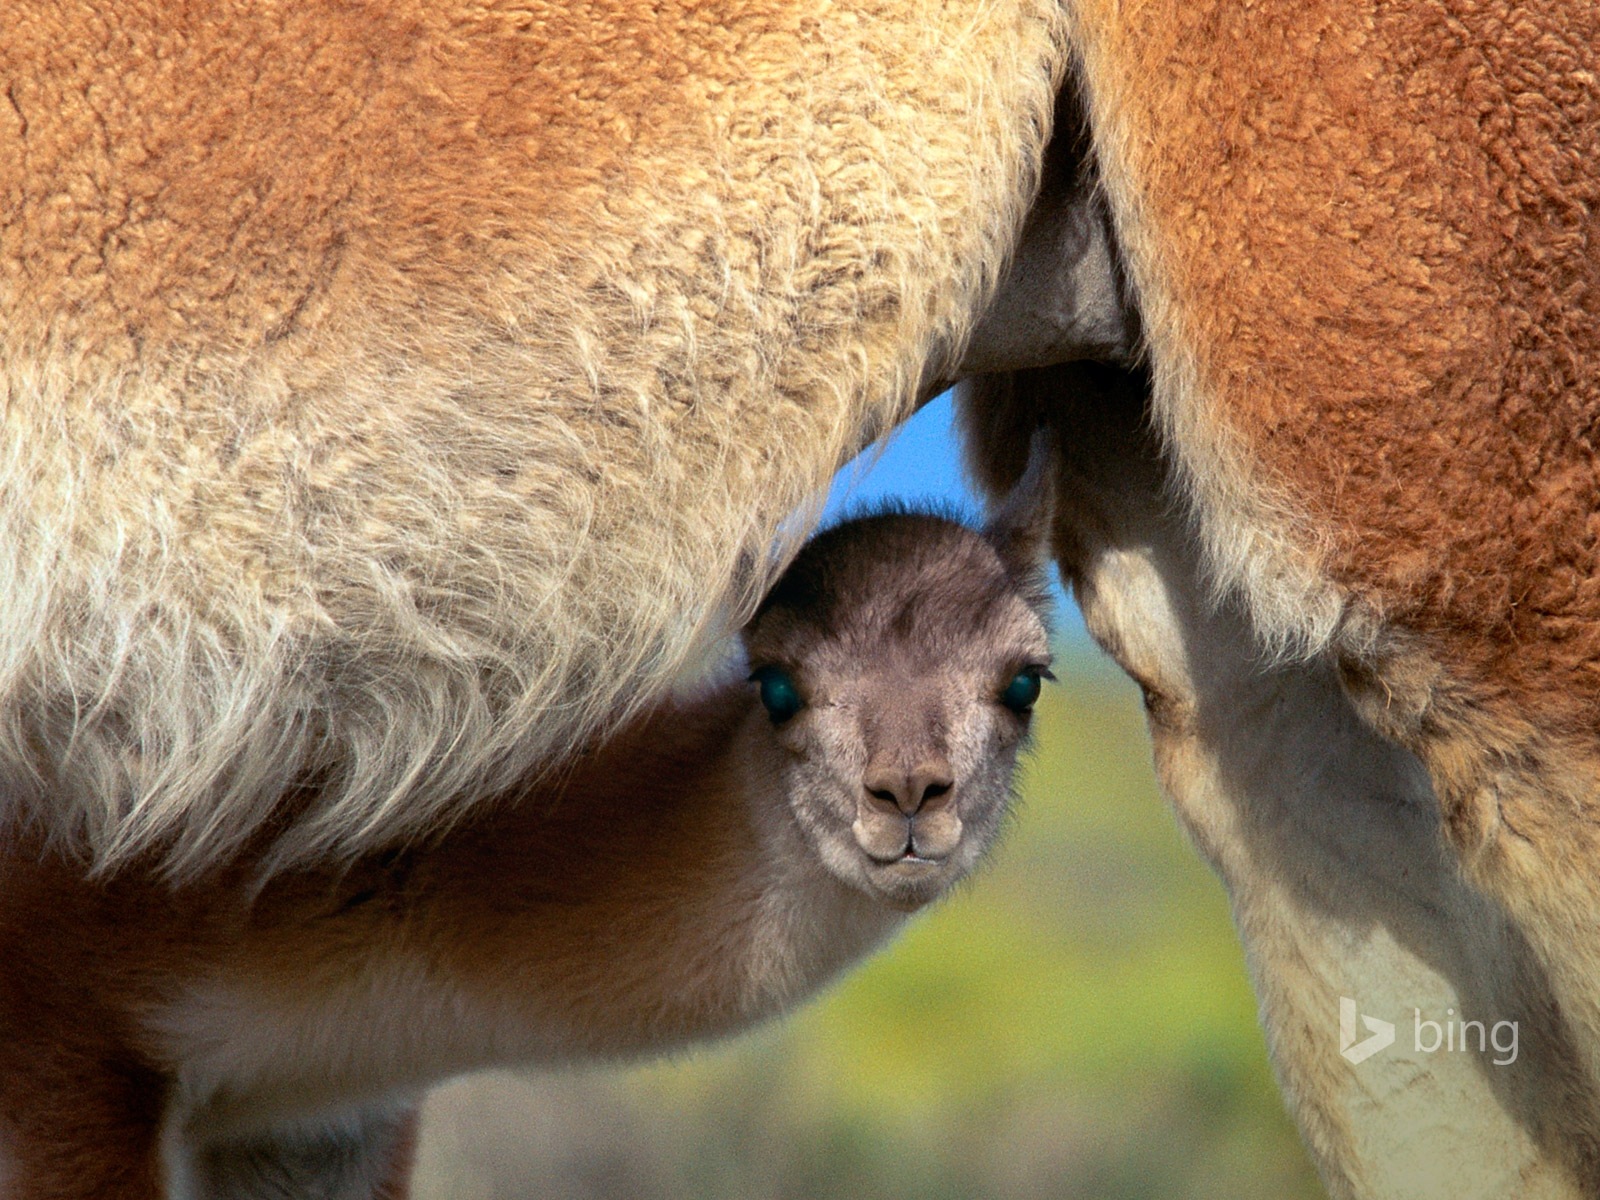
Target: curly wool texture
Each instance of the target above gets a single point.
(1363, 246)
(396, 395)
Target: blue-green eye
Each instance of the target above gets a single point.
(779, 695)
(1022, 691)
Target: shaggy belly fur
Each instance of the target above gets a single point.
(394, 395)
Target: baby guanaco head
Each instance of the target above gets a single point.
(898, 660)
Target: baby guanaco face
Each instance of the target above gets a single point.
(898, 660)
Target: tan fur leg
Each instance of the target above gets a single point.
(1328, 838)
(1520, 812)
(1361, 243)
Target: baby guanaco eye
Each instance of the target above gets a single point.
(779, 694)
(1022, 691)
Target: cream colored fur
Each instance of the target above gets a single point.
(509, 441)
(1329, 840)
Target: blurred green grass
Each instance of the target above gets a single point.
(1074, 1023)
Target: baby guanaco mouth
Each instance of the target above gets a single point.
(908, 858)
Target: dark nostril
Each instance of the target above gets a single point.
(907, 791)
(926, 785)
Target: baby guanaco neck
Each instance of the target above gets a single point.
(662, 892)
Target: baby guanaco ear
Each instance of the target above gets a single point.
(1019, 525)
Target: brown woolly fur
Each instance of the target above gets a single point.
(711, 864)
(1363, 247)
(395, 394)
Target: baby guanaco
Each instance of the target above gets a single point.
(709, 865)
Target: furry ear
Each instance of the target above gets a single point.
(1019, 525)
